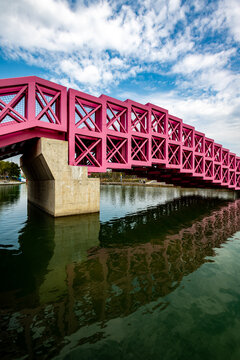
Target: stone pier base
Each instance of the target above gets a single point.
(53, 185)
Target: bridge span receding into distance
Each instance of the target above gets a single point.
(64, 131)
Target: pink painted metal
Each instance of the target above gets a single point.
(106, 133)
(32, 102)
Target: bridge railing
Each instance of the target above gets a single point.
(31, 102)
(106, 133)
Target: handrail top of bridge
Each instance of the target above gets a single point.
(104, 132)
(24, 80)
(113, 100)
(29, 79)
(173, 117)
(159, 108)
(209, 139)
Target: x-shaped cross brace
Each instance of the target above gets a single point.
(187, 137)
(208, 150)
(208, 169)
(225, 176)
(238, 180)
(87, 152)
(172, 130)
(115, 150)
(198, 144)
(173, 155)
(217, 173)
(157, 121)
(87, 116)
(238, 165)
(225, 158)
(116, 117)
(231, 165)
(232, 178)
(158, 147)
(47, 106)
(8, 109)
(217, 155)
(138, 120)
(187, 161)
(138, 149)
(198, 164)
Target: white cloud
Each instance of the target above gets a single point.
(52, 25)
(87, 74)
(62, 35)
(231, 9)
(209, 72)
(94, 45)
(199, 62)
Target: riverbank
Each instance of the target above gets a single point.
(127, 183)
(227, 192)
(5, 182)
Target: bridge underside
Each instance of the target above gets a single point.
(20, 142)
(104, 133)
(172, 176)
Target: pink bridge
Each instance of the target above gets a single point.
(105, 133)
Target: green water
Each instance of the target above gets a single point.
(155, 275)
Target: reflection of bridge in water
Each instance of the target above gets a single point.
(78, 286)
(162, 220)
(134, 275)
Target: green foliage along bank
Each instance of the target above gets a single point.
(9, 170)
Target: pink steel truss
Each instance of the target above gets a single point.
(106, 133)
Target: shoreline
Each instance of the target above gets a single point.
(2, 183)
(162, 186)
(147, 184)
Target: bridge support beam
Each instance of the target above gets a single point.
(53, 185)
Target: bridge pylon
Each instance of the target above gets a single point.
(53, 185)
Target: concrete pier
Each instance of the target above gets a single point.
(53, 185)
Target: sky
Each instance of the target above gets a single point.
(180, 55)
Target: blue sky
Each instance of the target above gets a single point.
(181, 55)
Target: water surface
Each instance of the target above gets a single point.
(154, 276)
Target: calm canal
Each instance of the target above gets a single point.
(154, 276)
